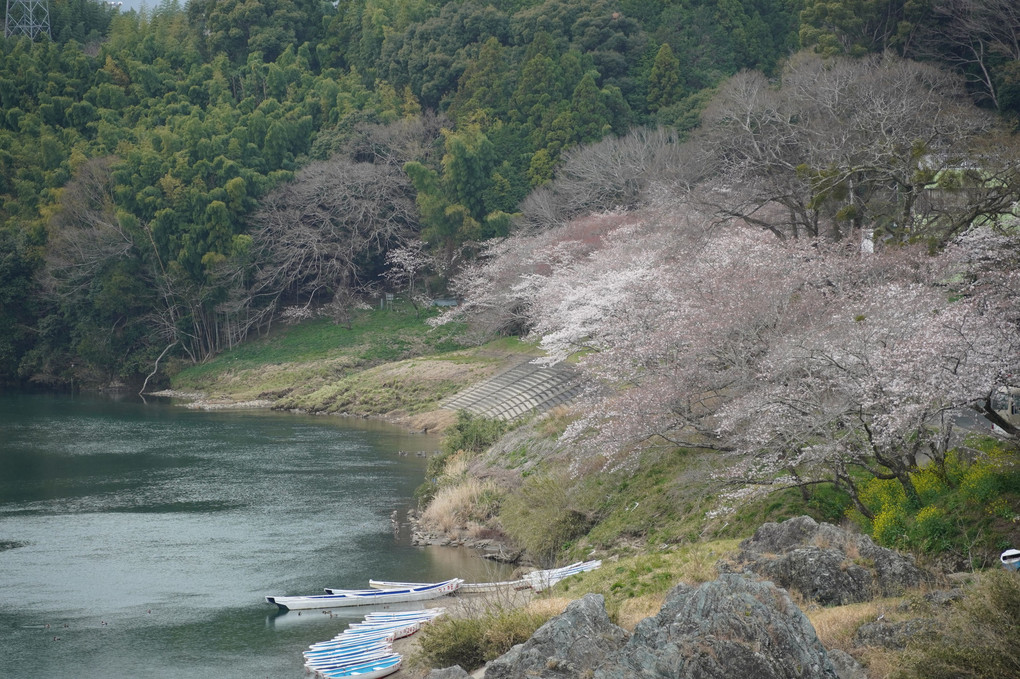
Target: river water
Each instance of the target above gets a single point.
(138, 540)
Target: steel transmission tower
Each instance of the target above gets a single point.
(27, 17)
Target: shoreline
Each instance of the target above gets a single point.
(430, 423)
(199, 401)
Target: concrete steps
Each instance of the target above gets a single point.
(523, 389)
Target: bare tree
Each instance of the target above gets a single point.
(613, 173)
(85, 235)
(418, 138)
(974, 35)
(323, 232)
(846, 144)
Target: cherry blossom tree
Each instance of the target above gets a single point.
(802, 359)
(407, 269)
(872, 383)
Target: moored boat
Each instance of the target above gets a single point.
(465, 588)
(339, 598)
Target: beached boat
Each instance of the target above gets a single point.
(341, 643)
(369, 670)
(540, 580)
(339, 598)
(424, 615)
(337, 660)
(365, 635)
(465, 588)
(420, 592)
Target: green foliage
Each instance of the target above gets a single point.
(373, 337)
(545, 514)
(453, 641)
(472, 641)
(472, 433)
(650, 574)
(978, 637)
(963, 507)
(664, 81)
(207, 105)
(858, 27)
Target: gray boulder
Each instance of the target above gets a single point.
(825, 563)
(732, 627)
(822, 575)
(570, 645)
(892, 635)
(846, 666)
(455, 672)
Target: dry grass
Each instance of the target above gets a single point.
(632, 611)
(548, 606)
(453, 506)
(455, 468)
(836, 626)
(880, 663)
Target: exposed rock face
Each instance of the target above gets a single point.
(894, 635)
(455, 672)
(732, 627)
(846, 666)
(567, 646)
(825, 563)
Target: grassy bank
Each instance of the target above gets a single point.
(387, 363)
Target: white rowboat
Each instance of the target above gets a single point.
(465, 588)
(339, 598)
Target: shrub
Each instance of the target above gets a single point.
(979, 637)
(472, 433)
(932, 531)
(890, 526)
(543, 516)
(452, 641)
(976, 494)
(509, 628)
(471, 642)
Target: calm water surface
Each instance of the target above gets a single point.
(144, 537)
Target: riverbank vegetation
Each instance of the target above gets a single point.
(777, 241)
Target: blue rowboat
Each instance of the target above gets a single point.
(328, 648)
(370, 670)
(338, 662)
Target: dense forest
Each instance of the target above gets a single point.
(176, 179)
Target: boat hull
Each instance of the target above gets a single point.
(336, 598)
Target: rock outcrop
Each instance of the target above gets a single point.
(731, 627)
(892, 635)
(569, 645)
(455, 672)
(824, 563)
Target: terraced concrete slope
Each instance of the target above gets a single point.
(525, 388)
